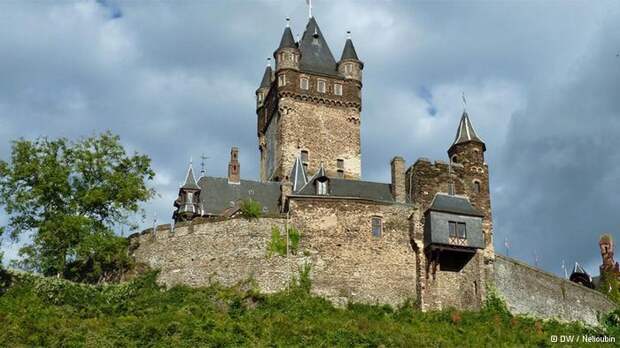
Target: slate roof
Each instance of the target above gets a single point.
(466, 133)
(349, 51)
(287, 40)
(217, 194)
(454, 204)
(352, 188)
(266, 82)
(298, 176)
(315, 54)
(190, 180)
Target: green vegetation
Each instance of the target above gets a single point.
(251, 209)
(67, 197)
(277, 244)
(610, 286)
(52, 312)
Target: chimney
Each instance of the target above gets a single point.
(398, 179)
(234, 176)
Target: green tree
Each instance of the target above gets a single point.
(67, 197)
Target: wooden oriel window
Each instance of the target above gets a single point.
(457, 230)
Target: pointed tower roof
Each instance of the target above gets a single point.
(266, 81)
(579, 269)
(298, 176)
(349, 51)
(190, 180)
(287, 40)
(466, 132)
(315, 54)
(321, 172)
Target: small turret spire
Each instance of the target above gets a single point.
(466, 132)
(349, 50)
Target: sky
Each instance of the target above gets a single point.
(176, 79)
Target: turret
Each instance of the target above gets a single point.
(265, 84)
(467, 147)
(349, 65)
(188, 203)
(287, 55)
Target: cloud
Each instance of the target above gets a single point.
(177, 79)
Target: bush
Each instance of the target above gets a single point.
(277, 244)
(251, 209)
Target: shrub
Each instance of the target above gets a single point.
(277, 244)
(251, 209)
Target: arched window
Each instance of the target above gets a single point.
(477, 186)
(454, 159)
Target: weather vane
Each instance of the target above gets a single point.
(203, 170)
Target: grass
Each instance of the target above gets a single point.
(51, 312)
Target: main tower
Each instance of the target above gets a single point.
(309, 107)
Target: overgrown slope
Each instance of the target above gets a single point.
(50, 312)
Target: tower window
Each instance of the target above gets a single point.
(340, 163)
(321, 86)
(457, 230)
(281, 80)
(304, 156)
(454, 159)
(377, 226)
(348, 68)
(476, 186)
(304, 83)
(337, 89)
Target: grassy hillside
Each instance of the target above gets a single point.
(50, 312)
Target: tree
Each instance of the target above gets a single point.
(67, 197)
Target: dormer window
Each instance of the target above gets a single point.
(321, 86)
(304, 83)
(337, 89)
(281, 80)
(321, 186)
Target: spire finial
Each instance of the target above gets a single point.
(269, 62)
(191, 161)
(464, 102)
(288, 22)
(309, 2)
(349, 34)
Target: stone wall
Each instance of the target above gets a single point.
(347, 262)
(536, 293)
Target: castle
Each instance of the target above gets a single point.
(425, 236)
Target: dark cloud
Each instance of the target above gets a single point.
(176, 79)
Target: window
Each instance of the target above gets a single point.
(304, 83)
(321, 186)
(454, 159)
(281, 80)
(337, 89)
(457, 230)
(348, 68)
(477, 186)
(304, 156)
(377, 226)
(340, 164)
(320, 86)
(340, 173)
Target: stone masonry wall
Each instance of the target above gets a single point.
(347, 262)
(328, 133)
(536, 293)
